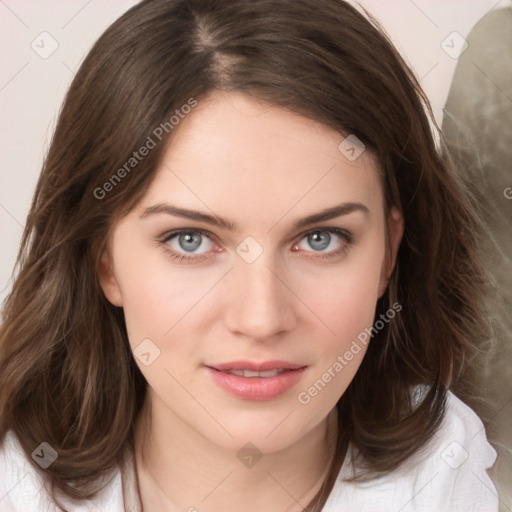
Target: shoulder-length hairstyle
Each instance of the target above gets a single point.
(67, 375)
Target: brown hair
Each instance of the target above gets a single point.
(67, 375)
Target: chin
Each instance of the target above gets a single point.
(268, 429)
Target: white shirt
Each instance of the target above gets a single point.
(447, 475)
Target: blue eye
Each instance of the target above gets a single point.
(187, 241)
(321, 239)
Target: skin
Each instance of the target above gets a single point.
(262, 167)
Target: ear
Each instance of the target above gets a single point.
(395, 230)
(107, 279)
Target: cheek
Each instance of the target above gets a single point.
(155, 293)
(163, 308)
(344, 295)
(156, 302)
(346, 305)
(345, 301)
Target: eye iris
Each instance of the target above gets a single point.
(188, 237)
(319, 240)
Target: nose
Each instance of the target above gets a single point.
(260, 304)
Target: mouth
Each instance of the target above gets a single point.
(251, 380)
(254, 366)
(251, 374)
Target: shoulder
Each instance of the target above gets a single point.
(20, 485)
(24, 488)
(448, 473)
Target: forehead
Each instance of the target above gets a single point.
(240, 156)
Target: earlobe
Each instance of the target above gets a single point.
(107, 279)
(395, 233)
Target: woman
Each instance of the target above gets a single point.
(243, 279)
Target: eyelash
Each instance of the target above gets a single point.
(347, 236)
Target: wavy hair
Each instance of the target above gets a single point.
(67, 375)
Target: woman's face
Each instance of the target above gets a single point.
(262, 290)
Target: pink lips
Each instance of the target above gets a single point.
(251, 387)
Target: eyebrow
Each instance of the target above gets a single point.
(215, 220)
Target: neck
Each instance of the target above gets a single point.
(186, 471)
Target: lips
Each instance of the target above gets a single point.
(252, 374)
(251, 380)
(255, 366)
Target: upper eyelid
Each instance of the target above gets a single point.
(169, 234)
